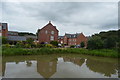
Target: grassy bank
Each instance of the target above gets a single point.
(23, 51)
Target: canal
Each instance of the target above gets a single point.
(59, 66)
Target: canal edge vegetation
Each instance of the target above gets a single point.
(42, 51)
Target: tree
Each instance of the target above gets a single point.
(82, 44)
(4, 40)
(95, 43)
(54, 43)
(110, 42)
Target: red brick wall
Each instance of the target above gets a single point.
(72, 41)
(61, 41)
(4, 31)
(65, 40)
(43, 37)
(81, 38)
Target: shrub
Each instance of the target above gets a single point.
(49, 45)
(27, 46)
(20, 44)
(72, 46)
(54, 43)
(82, 44)
(4, 40)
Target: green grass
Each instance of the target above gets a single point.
(42, 51)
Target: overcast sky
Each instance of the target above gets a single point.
(69, 17)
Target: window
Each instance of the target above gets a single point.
(46, 31)
(51, 37)
(52, 32)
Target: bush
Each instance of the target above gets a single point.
(27, 46)
(40, 45)
(20, 44)
(54, 43)
(4, 40)
(82, 44)
(49, 46)
(72, 46)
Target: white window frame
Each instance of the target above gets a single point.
(46, 31)
(52, 32)
(52, 38)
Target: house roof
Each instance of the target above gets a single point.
(48, 25)
(4, 25)
(60, 37)
(16, 38)
(72, 35)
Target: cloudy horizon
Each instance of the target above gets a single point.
(68, 17)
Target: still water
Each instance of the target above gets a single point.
(59, 66)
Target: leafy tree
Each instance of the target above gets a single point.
(110, 42)
(54, 43)
(82, 44)
(95, 43)
(4, 40)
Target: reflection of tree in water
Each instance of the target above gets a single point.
(105, 68)
(3, 68)
(28, 63)
(78, 61)
(46, 68)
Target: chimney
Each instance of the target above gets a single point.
(49, 21)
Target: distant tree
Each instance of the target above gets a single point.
(54, 43)
(4, 40)
(95, 43)
(82, 44)
(110, 42)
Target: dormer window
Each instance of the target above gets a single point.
(52, 32)
(46, 31)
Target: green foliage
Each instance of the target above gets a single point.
(4, 40)
(20, 44)
(110, 42)
(40, 45)
(54, 43)
(30, 41)
(27, 46)
(21, 51)
(49, 45)
(82, 44)
(72, 46)
(95, 43)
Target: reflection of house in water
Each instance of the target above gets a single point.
(46, 69)
(78, 61)
(105, 68)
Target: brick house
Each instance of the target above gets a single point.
(4, 29)
(73, 39)
(48, 33)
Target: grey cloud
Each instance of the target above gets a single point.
(73, 15)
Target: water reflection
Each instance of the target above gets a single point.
(46, 69)
(49, 66)
(106, 68)
(77, 61)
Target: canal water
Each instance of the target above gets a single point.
(59, 66)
